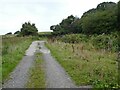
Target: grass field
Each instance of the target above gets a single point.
(85, 64)
(13, 49)
(37, 74)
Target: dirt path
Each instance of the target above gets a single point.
(19, 76)
(55, 75)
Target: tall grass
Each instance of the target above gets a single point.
(13, 49)
(86, 64)
(106, 42)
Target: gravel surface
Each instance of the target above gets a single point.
(55, 75)
(19, 76)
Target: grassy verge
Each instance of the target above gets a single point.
(13, 49)
(37, 75)
(86, 65)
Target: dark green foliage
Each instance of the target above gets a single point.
(105, 42)
(17, 32)
(8, 33)
(118, 14)
(68, 25)
(99, 20)
(118, 58)
(106, 5)
(28, 29)
(103, 19)
(74, 38)
(89, 12)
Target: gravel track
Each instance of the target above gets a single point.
(19, 76)
(56, 77)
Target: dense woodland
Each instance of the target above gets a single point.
(99, 20)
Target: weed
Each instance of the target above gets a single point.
(37, 74)
(13, 49)
(86, 65)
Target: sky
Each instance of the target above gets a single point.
(44, 13)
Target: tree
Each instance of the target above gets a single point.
(118, 9)
(89, 12)
(68, 25)
(118, 14)
(106, 5)
(17, 32)
(8, 33)
(100, 20)
(28, 29)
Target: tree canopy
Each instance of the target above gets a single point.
(99, 20)
(17, 32)
(28, 29)
(66, 26)
(10, 33)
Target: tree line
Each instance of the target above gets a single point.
(26, 30)
(102, 19)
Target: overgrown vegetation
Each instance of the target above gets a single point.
(89, 53)
(86, 64)
(37, 73)
(105, 42)
(13, 49)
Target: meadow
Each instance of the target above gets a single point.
(13, 49)
(88, 60)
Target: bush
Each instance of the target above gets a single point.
(29, 29)
(107, 42)
(74, 38)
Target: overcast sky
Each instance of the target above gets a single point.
(44, 13)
